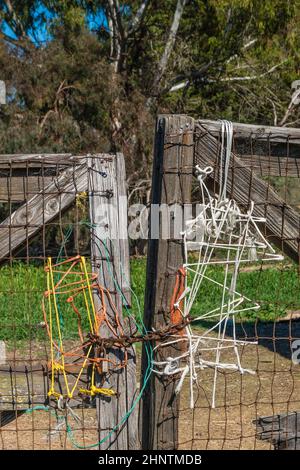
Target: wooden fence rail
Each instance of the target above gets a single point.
(244, 185)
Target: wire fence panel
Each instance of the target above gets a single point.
(221, 332)
(55, 299)
(263, 169)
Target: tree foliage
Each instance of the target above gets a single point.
(103, 69)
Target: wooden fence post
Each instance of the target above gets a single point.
(171, 184)
(110, 258)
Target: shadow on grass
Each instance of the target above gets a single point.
(281, 337)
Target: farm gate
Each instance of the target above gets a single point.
(264, 167)
(54, 209)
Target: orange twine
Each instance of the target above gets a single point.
(175, 311)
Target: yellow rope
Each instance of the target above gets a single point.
(83, 266)
(95, 391)
(51, 335)
(57, 366)
(85, 297)
(81, 370)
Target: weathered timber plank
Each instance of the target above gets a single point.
(270, 133)
(7, 157)
(41, 159)
(282, 222)
(20, 188)
(124, 280)
(41, 208)
(171, 184)
(20, 391)
(107, 259)
(22, 387)
(272, 166)
(22, 176)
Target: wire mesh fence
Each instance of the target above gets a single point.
(59, 285)
(264, 169)
(50, 210)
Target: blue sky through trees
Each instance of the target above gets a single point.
(43, 17)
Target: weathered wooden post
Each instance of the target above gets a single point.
(110, 258)
(171, 184)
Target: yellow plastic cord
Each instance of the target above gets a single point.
(80, 199)
(60, 367)
(85, 297)
(50, 325)
(93, 390)
(97, 391)
(81, 370)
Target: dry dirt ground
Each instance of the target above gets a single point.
(274, 388)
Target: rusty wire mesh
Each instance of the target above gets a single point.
(44, 213)
(275, 387)
(264, 168)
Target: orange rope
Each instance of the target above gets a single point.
(175, 312)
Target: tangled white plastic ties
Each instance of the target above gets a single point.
(221, 235)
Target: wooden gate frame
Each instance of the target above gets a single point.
(45, 198)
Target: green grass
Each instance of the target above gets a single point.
(276, 289)
(21, 289)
